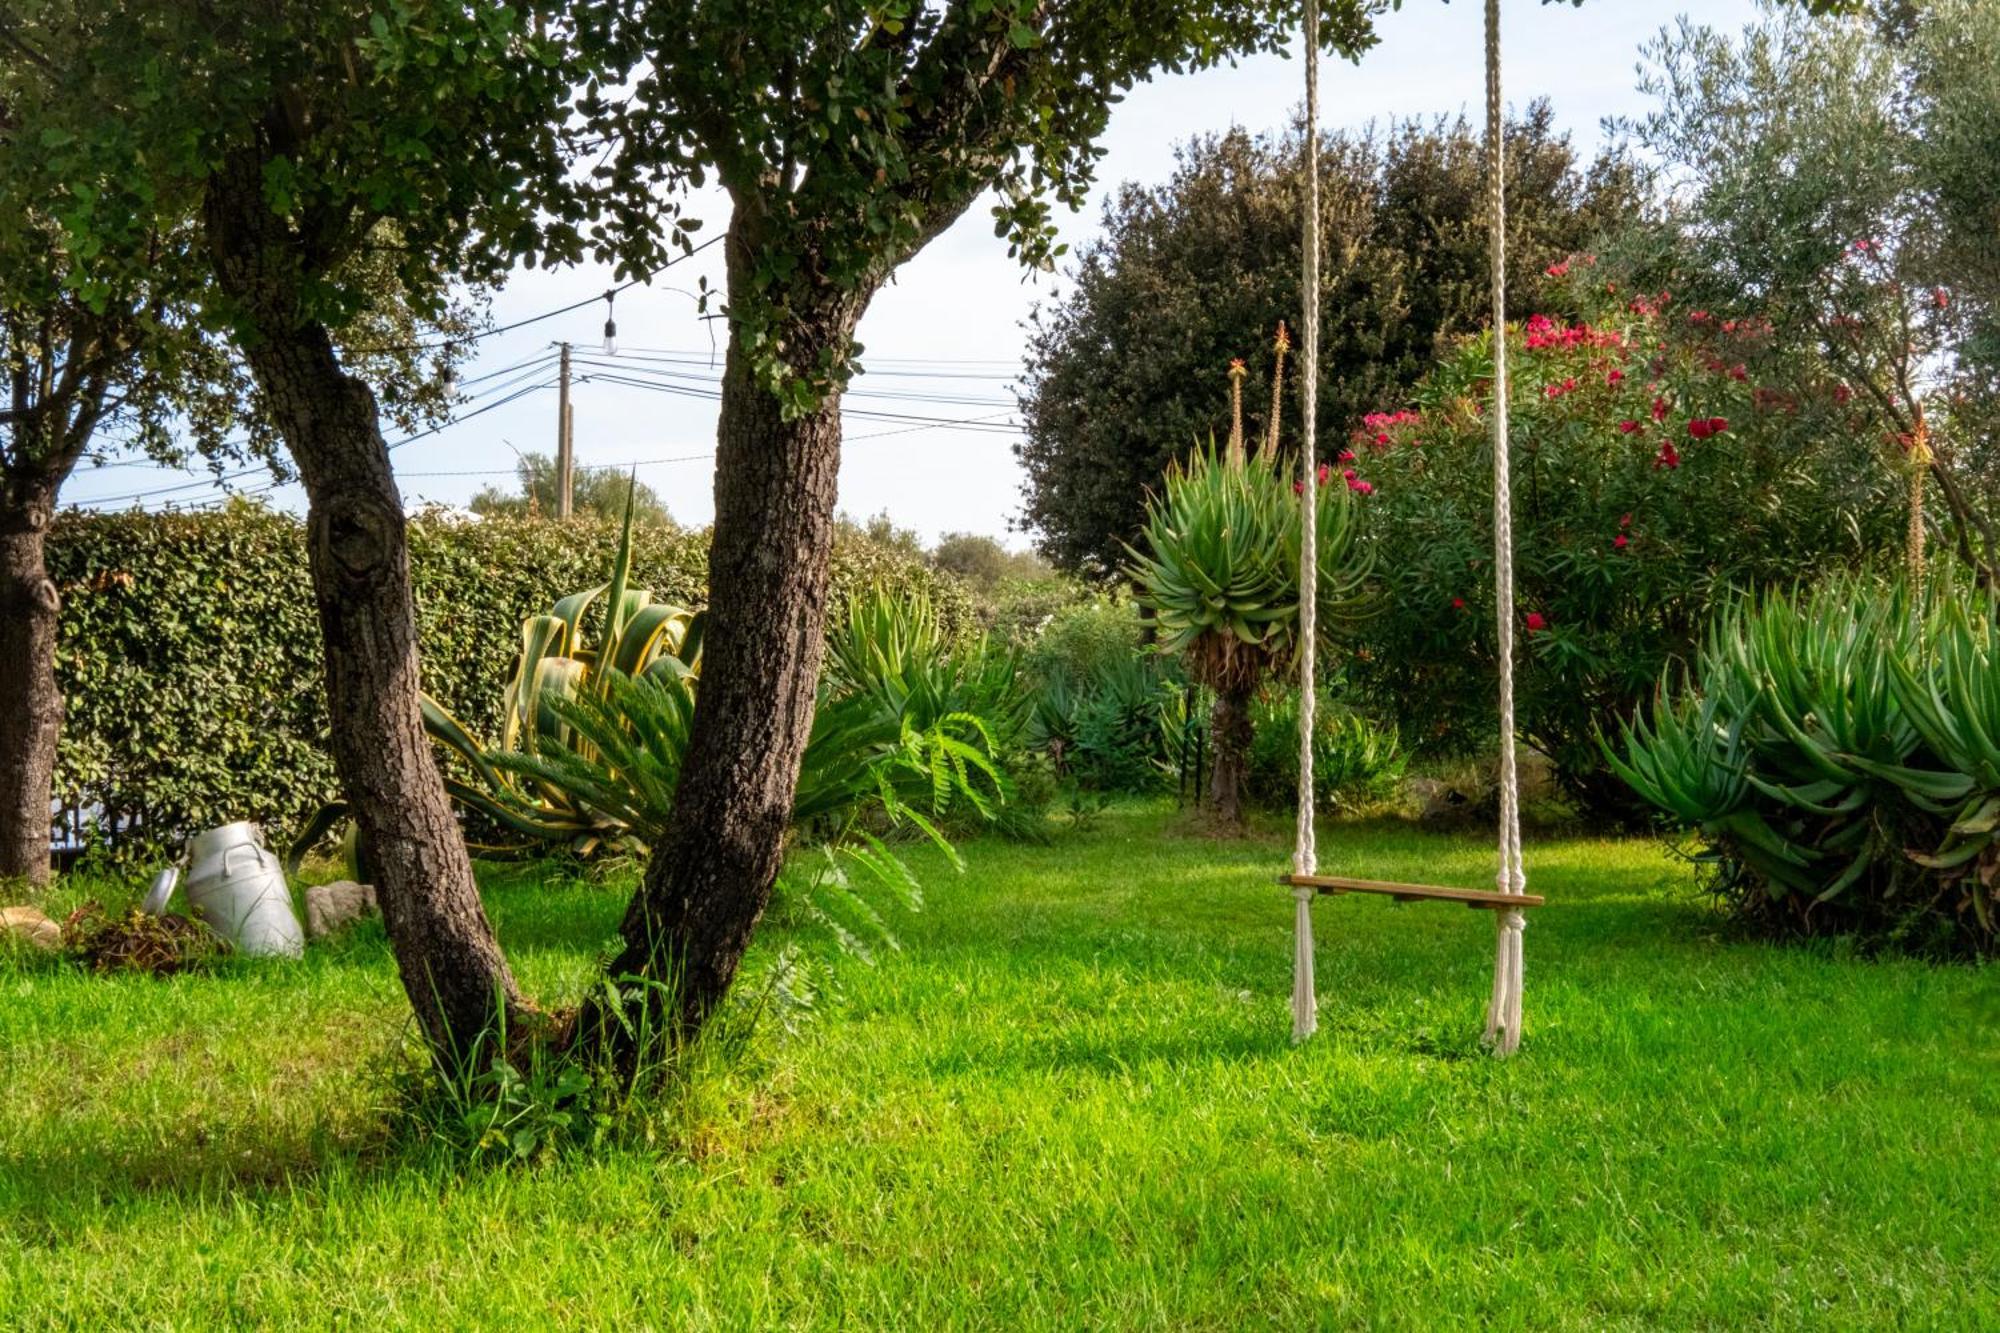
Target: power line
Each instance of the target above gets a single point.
(224, 478)
(903, 395)
(688, 458)
(547, 314)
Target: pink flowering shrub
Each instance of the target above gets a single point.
(1660, 460)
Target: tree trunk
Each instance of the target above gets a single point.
(31, 716)
(450, 960)
(776, 482)
(1229, 731)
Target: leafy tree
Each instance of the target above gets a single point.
(322, 154)
(103, 349)
(982, 561)
(1133, 363)
(598, 493)
(1836, 180)
(847, 135)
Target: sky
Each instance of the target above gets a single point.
(945, 341)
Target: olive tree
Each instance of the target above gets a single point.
(103, 349)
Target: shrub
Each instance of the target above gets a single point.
(1078, 642)
(1114, 731)
(1355, 762)
(189, 651)
(1836, 749)
(1661, 460)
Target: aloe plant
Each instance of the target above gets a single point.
(1218, 566)
(1836, 748)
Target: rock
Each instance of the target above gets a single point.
(30, 925)
(335, 907)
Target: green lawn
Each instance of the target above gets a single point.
(1069, 1102)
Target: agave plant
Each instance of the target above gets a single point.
(641, 640)
(867, 774)
(1218, 566)
(559, 659)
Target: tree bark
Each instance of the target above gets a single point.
(446, 951)
(776, 481)
(31, 716)
(1229, 731)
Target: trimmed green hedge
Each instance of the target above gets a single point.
(189, 655)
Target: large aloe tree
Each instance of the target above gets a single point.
(1218, 565)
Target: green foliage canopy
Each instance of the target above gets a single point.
(1134, 362)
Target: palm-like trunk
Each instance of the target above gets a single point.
(1230, 733)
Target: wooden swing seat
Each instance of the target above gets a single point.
(1477, 899)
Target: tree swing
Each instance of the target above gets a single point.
(1509, 903)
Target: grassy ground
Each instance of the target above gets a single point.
(1069, 1102)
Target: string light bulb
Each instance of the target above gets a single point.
(610, 324)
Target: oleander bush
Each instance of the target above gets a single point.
(1663, 460)
(190, 663)
(1838, 752)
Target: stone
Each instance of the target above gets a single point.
(331, 908)
(31, 926)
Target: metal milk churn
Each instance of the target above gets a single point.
(237, 886)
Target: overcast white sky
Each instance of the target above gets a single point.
(951, 326)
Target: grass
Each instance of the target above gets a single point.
(1069, 1102)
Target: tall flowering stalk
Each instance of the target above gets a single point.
(1280, 346)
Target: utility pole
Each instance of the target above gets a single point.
(565, 459)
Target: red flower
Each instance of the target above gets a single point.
(1841, 393)
(1361, 487)
(1941, 296)
(1659, 408)
(1615, 377)
(1625, 520)
(1558, 270)
(1325, 471)
(1458, 603)
(1621, 541)
(1739, 371)
(1669, 456)
(1536, 624)
(1627, 427)
(1699, 428)
(1717, 425)
(1346, 456)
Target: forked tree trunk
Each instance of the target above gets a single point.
(776, 481)
(1230, 733)
(356, 539)
(30, 707)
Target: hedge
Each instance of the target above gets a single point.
(189, 653)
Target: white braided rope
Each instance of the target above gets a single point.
(1503, 1011)
(1305, 854)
